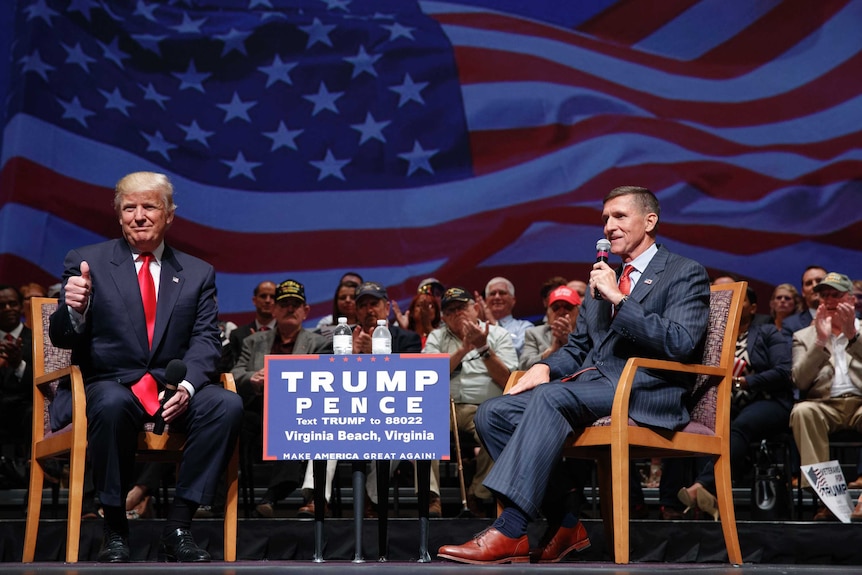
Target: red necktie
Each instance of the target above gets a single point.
(625, 284)
(147, 390)
(626, 281)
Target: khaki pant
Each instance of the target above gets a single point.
(813, 420)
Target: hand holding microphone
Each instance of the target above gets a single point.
(175, 372)
(603, 252)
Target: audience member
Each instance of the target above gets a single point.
(423, 315)
(728, 279)
(857, 293)
(16, 390)
(123, 342)
(343, 304)
(496, 308)
(289, 337)
(263, 300)
(28, 291)
(784, 303)
(543, 340)
(811, 277)
(430, 287)
(549, 285)
(665, 316)
(827, 368)
(761, 401)
(579, 286)
(481, 357)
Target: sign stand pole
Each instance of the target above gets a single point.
(423, 473)
(318, 467)
(358, 508)
(383, 511)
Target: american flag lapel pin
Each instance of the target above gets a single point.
(648, 282)
(176, 280)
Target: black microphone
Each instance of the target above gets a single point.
(603, 251)
(175, 372)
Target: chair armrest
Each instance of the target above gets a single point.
(513, 379)
(228, 381)
(620, 407)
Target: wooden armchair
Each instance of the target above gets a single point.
(51, 366)
(614, 441)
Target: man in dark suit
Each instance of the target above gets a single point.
(263, 299)
(16, 389)
(665, 316)
(811, 277)
(128, 307)
(288, 337)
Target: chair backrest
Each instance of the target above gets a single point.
(46, 357)
(50, 364)
(719, 349)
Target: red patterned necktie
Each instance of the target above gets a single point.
(147, 390)
(626, 281)
(625, 284)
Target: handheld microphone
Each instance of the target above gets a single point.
(175, 372)
(603, 251)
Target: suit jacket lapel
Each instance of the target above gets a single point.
(126, 282)
(650, 276)
(170, 284)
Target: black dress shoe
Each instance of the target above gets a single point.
(115, 548)
(180, 546)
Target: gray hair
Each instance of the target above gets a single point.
(497, 280)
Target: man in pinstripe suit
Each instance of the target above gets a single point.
(665, 316)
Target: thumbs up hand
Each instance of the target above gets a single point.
(78, 289)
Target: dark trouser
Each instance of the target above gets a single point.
(758, 420)
(525, 434)
(114, 416)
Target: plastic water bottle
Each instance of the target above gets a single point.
(342, 338)
(381, 339)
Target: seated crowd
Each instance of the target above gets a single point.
(797, 375)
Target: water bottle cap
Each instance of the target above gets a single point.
(381, 322)
(342, 319)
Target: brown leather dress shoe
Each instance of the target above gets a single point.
(488, 547)
(856, 483)
(563, 542)
(823, 513)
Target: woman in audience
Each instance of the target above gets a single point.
(785, 302)
(423, 315)
(761, 400)
(343, 305)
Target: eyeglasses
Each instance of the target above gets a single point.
(783, 297)
(558, 307)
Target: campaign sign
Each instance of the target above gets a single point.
(356, 407)
(828, 482)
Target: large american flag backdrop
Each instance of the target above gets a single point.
(462, 140)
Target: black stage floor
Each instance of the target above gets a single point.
(435, 568)
(287, 545)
